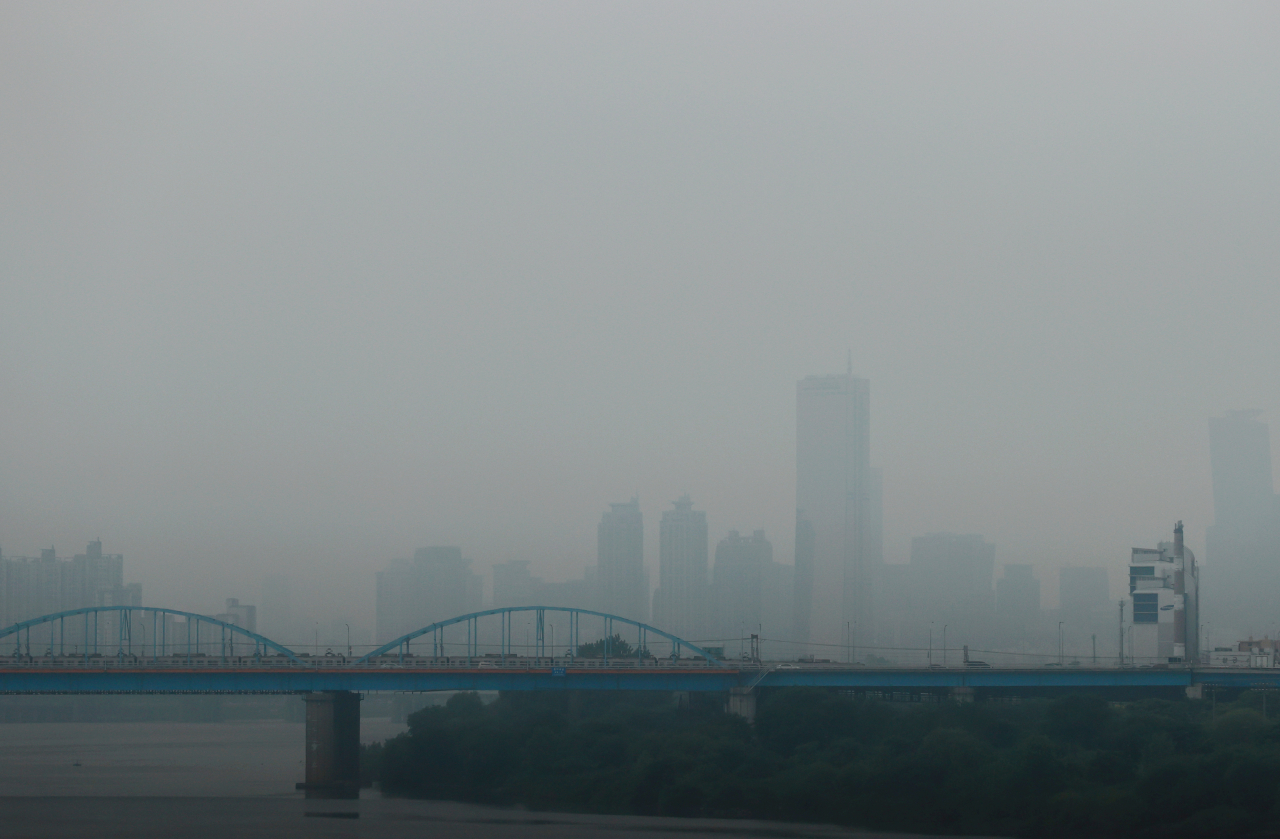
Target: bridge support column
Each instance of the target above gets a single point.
(333, 745)
(742, 701)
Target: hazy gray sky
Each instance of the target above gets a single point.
(298, 287)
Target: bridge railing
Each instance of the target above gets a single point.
(165, 663)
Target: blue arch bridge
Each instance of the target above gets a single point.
(115, 650)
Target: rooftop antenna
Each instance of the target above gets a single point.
(849, 363)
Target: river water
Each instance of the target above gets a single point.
(236, 779)
(256, 758)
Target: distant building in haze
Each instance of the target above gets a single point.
(948, 582)
(435, 585)
(835, 537)
(738, 584)
(802, 578)
(1243, 543)
(573, 593)
(1018, 594)
(778, 616)
(240, 614)
(515, 585)
(1086, 610)
(31, 587)
(954, 571)
(874, 542)
(276, 614)
(680, 604)
(620, 575)
(751, 594)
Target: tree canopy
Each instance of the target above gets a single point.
(1072, 766)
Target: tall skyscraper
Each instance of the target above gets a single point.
(834, 537)
(1243, 544)
(620, 575)
(680, 604)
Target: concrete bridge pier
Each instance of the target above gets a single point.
(333, 745)
(742, 701)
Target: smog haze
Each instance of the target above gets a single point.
(300, 288)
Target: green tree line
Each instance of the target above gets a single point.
(1074, 766)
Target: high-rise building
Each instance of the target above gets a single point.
(1162, 624)
(680, 604)
(31, 587)
(620, 575)
(435, 585)
(834, 534)
(1243, 543)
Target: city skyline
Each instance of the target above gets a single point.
(694, 602)
(1240, 439)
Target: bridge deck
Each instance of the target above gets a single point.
(216, 677)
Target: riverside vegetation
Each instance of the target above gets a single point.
(1074, 766)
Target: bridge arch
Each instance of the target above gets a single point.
(472, 621)
(159, 642)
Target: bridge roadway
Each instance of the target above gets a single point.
(75, 675)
